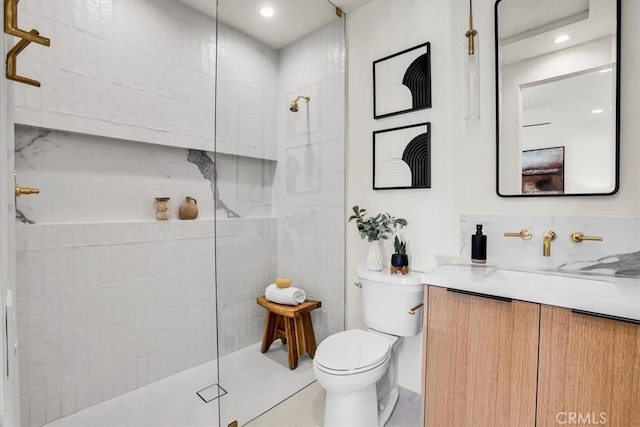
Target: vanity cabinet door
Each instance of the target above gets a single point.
(589, 370)
(481, 360)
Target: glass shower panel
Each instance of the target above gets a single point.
(116, 296)
(280, 209)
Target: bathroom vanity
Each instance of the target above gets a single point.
(530, 348)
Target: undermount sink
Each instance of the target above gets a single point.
(551, 281)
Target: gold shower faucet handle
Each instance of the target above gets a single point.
(524, 234)
(25, 191)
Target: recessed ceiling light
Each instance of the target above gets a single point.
(266, 11)
(561, 39)
(597, 111)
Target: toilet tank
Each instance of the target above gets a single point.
(387, 299)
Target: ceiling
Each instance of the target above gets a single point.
(292, 19)
(528, 28)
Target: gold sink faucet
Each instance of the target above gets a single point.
(548, 237)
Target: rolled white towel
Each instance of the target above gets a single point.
(288, 296)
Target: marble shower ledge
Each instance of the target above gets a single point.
(164, 139)
(597, 293)
(67, 235)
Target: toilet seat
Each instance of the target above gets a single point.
(352, 352)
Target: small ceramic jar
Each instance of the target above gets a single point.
(163, 208)
(188, 209)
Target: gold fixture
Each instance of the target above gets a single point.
(524, 234)
(472, 33)
(578, 237)
(548, 237)
(25, 191)
(33, 36)
(339, 12)
(294, 104)
(414, 309)
(11, 25)
(233, 423)
(12, 60)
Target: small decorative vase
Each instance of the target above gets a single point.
(374, 258)
(188, 209)
(163, 208)
(399, 262)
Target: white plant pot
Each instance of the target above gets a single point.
(375, 261)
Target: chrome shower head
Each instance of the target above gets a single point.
(294, 104)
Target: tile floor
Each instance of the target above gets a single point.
(261, 392)
(254, 383)
(306, 409)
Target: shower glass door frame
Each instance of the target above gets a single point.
(9, 387)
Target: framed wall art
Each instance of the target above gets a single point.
(543, 171)
(402, 82)
(402, 157)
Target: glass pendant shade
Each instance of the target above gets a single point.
(472, 78)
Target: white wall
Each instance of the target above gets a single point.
(463, 154)
(374, 31)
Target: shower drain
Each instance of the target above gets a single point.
(211, 393)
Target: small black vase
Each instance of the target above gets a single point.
(399, 260)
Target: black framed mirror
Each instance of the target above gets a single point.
(557, 97)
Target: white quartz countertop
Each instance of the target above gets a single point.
(603, 294)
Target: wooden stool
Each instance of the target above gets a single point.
(291, 324)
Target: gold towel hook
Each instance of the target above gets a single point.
(11, 25)
(12, 63)
(33, 36)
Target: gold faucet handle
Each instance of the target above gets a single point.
(578, 237)
(524, 234)
(25, 191)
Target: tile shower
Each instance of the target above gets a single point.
(109, 299)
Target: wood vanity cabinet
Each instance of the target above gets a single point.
(502, 362)
(481, 360)
(589, 369)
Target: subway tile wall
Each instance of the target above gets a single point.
(309, 189)
(145, 70)
(95, 269)
(105, 308)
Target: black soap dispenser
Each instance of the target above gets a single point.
(479, 246)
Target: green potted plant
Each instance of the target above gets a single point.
(399, 259)
(374, 229)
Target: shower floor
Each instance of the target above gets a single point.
(254, 383)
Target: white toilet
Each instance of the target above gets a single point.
(357, 367)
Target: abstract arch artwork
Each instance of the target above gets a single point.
(402, 82)
(402, 157)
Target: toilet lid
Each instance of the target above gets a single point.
(352, 350)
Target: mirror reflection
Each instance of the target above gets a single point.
(557, 85)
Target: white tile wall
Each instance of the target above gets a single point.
(310, 180)
(140, 70)
(246, 264)
(144, 70)
(133, 310)
(110, 299)
(120, 309)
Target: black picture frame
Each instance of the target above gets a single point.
(402, 157)
(402, 82)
